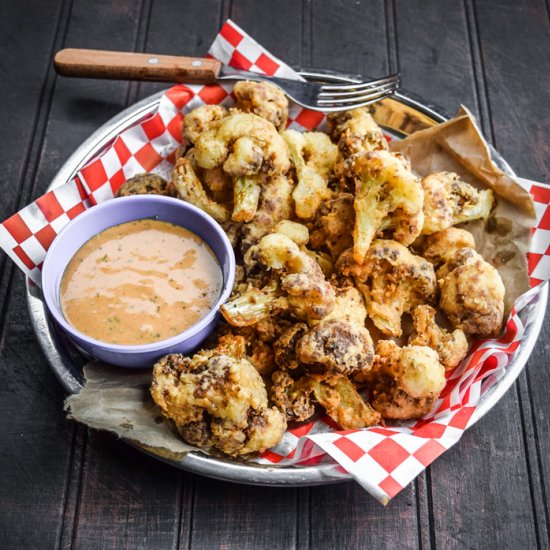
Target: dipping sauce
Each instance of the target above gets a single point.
(140, 282)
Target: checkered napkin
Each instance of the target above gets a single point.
(382, 459)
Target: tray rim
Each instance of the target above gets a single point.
(60, 360)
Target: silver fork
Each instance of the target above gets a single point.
(327, 98)
(167, 68)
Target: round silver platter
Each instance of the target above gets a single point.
(400, 115)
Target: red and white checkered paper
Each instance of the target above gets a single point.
(382, 459)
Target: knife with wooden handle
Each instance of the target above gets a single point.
(136, 66)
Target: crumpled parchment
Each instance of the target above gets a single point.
(117, 399)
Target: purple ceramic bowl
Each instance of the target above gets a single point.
(121, 210)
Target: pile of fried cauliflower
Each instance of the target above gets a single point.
(355, 291)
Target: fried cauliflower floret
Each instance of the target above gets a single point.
(332, 225)
(284, 348)
(199, 120)
(442, 245)
(334, 392)
(275, 205)
(408, 380)
(393, 281)
(146, 184)
(250, 347)
(262, 99)
(340, 342)
(388, 197)
(310, 296)
(448, 200)
(336, 345)
(296, 232)
(248, 148)
(217, 401)
(349, 304)
(244, 144)
(450, 346)
(248, 305)
(313, 156)
(293, 400)
(355, 131)
(190, 189)
(472, 293)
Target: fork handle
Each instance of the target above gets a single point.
(135, 66)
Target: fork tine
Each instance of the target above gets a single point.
(339, 108)
(370, 84)
(358, 91)
(373, 95)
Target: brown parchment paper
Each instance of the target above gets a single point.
(458, 146)
(118, 400)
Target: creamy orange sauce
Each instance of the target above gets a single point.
(140, 282)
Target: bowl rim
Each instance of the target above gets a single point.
(51, 284)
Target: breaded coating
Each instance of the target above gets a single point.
(334, 392)
(342, 402)
(291, 399)
(332, 225)
(263, 99)
(275, 205)
(442, 245)
(244, 144)
(146, 184)
(355, 131)
(472, 293)
(339, 342)
(296, 232)
(337, 345)
(190, 189)
(284, 348)
(325, 261)
(199, 120)
(248, 305)
(349, 304)
(310, 296)
(448, 200)
(407, 381)
(248, 148)
(218, 401)
(451, 347)
(258, 353)
(313, 156)
(215, 181)
(388, 198)
(393, 281)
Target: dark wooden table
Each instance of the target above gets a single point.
(62, 485)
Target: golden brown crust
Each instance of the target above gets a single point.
(392, 280)
(217, 400)
(472, 293)
(146, 184)
(262, 99)
(450, 346)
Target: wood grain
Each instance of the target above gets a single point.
(518, 94)
(112, 65)
(63, 487)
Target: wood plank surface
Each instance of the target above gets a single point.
(439, 58)
(62, 486)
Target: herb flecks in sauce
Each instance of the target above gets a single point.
(140, 282)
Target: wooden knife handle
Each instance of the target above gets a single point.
(135, 66)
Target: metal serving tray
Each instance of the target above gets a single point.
(400, 115)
